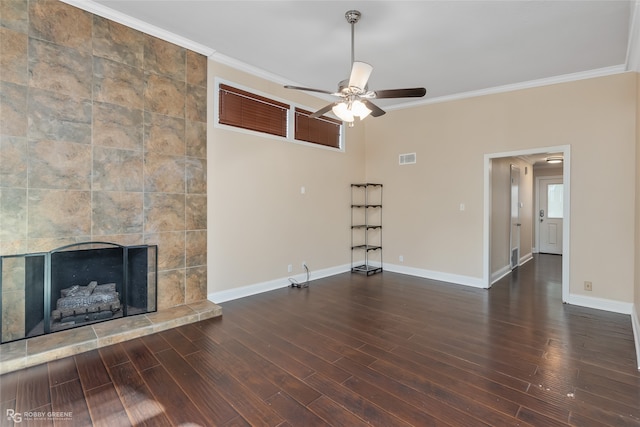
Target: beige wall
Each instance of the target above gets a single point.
(259, 220)
(596, 117)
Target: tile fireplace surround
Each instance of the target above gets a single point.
(102, 138)
(33, 351)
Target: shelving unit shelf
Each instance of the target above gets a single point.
(366, 228)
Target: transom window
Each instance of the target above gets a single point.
(246, 110)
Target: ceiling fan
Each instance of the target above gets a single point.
(354, 94)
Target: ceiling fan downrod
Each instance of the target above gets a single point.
(352, 16)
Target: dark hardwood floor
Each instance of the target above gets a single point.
(350, 350)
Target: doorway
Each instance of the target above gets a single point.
(565, 151)
(549, 224)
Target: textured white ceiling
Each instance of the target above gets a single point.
(449, 47)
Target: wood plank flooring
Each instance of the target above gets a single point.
(351, 350)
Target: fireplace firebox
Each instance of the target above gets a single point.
(75, 285)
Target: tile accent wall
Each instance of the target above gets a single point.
(102, 137)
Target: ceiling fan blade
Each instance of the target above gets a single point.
(308, 89)
(360, 72)
(375, 110)
(415, 92)
(321, 111)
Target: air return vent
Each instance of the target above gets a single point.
(407, 159)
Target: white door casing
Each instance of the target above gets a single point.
(514, 253)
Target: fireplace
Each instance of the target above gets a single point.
(75, 285)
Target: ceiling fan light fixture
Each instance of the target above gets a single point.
(343, 112)
(359, 109)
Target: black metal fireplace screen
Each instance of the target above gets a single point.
(74, 286)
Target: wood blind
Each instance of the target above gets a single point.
(250, 111)
(323, 130)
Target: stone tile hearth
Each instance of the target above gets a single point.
(33, 351)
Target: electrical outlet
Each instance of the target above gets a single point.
(588, 286)
(401, 258)
(290, 268)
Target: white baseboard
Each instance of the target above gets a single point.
(601, 304)
(457, 279)
(499, 274)
(635, 323)
(282, 282)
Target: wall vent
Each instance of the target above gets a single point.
(407, 159)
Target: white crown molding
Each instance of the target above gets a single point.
(600, 72)
(121, 18)
(633, 47)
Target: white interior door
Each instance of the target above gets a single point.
(550, 215)
(515, 217)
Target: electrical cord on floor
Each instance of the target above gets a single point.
(296, 284)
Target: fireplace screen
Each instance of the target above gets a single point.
(74, 286)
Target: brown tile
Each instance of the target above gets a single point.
(13, 315)
(13, 247)
(13, 354)
(204, 306)
(14, 15)
(164, 95)
(170, 248)
(164, 134)
(117, 126)
(58, 117)
(60, 340)
(162, 57)
(196, 284)
(196, 104)
(117, 170)
(196, 139)
(119, 330)
(170, 288)
(117, 212)
(13, 214)
(58, 213)
(164, 212)
(117, 42)
(60, 69)
(46, 244)
(196, 248)
(13, 56)
(117, 83)
(196, 212)
(59, 164)
(60, 23)
(13, 109)
(13, 161)
(196, 175)
(13, 274)
(196, 69)
(120, 239)
(164, 174)
(175, 316)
